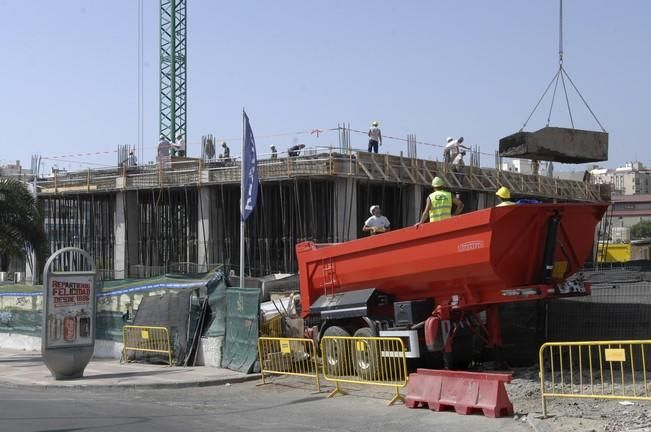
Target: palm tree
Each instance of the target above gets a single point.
(21, 223)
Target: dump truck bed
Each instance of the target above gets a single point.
(481, 256)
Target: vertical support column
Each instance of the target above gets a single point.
(31, 274)
(205, 229)
(482, 200)
(345, 210)
(415, 204)
(126, 233)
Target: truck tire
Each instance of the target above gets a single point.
(462, 351)
(334, 358)
(367, 356)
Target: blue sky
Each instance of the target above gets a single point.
(432, 68)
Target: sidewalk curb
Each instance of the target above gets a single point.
(64, 385)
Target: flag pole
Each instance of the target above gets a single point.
(242, 221)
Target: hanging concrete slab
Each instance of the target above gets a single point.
(557, 144)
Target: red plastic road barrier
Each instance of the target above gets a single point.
(466, 392)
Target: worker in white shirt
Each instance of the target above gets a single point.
(179, 145)
(453, 148)
(377, 223)
(458, 162)
(374, 137)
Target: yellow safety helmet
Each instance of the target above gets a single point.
(503, 193)
(438, 182)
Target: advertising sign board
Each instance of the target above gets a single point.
(69, 310)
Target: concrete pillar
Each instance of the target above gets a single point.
(206, 239)
(415, 204)
(482, 201)
(345, 210)
(126, 233)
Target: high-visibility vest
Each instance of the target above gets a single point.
(505, 203)
(440, 205)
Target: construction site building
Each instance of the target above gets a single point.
(183, 216)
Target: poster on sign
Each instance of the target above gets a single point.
(69, 311)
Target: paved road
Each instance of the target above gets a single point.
(287, 406)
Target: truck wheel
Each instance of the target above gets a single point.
(334, 356)
(462, 351)
(366, 355)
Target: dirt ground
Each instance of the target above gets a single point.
(574, 415)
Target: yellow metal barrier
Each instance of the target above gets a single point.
(601, 370)
(288, 356)
(272, 327)
(365, 360)
(146, 339)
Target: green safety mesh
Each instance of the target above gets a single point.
(241, 341)
(217, 303)
(21, 305)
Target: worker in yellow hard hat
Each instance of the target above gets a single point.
(440, 203)
(504, 197)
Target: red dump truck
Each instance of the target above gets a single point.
(438, 285)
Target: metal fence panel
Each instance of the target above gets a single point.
(599, 370)
(288, 356)
(377, 361)
(146, 339)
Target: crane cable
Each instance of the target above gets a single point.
(561, 74)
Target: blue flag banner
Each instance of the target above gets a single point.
(249, 171)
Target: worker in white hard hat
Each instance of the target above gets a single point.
(453, 148)
(440, 204)
(377, 223)
(504, 196)
(163, 147)
(274, 152)
(374, 137)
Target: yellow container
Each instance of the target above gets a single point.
(614, 252)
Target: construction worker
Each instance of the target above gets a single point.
(132, 161)
(295, 150)
(535, 167)
(374, 137)
(504, 197)
(453, 148)
(179, 145)
(274, 152)
(226, 153)
(440, 203)
(377, 223)
(447, 155)
(458, 163)
(163, 147)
